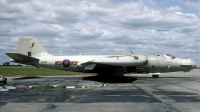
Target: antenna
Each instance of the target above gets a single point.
(132, 52)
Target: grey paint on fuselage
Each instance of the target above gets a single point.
(164, 63)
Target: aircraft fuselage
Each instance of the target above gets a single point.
(143, 63)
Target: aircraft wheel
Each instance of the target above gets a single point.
(155, 76)
(5, 81)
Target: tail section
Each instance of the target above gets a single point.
(31, 47)
(28, 51)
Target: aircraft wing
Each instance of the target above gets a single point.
(114, 62)
(122, 60)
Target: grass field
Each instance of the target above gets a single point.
(10, 71)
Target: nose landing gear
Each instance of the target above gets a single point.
(155, 75)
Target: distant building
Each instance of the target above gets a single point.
(6, 64)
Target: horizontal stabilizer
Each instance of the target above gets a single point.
(21, 57)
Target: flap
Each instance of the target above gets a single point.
(89, 67)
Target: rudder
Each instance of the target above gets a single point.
(29, 46)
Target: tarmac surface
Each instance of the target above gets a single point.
(171, 92)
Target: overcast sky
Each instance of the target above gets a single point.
(89, 27)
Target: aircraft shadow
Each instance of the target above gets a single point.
(110, 79)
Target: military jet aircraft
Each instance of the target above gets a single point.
(30, 52)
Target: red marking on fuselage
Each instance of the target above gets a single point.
(74, 62)
(58, 62)
(29, 54)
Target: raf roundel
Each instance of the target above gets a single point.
(66, 63)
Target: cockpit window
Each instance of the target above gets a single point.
(171, 56)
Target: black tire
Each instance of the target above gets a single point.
(5, 81)
(155, 76)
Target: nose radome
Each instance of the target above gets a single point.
(188, 62)
(194, 64)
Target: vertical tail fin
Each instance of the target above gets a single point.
(31, 47)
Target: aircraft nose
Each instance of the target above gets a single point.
(188, 63)
(194, 65)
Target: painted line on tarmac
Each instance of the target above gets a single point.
(162, 102)
(182, 86)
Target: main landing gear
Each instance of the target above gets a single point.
(155, 76)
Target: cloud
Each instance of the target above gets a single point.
(174, 9)
(100, 27)
(193, 4)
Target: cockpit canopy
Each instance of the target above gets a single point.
(171, 56)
